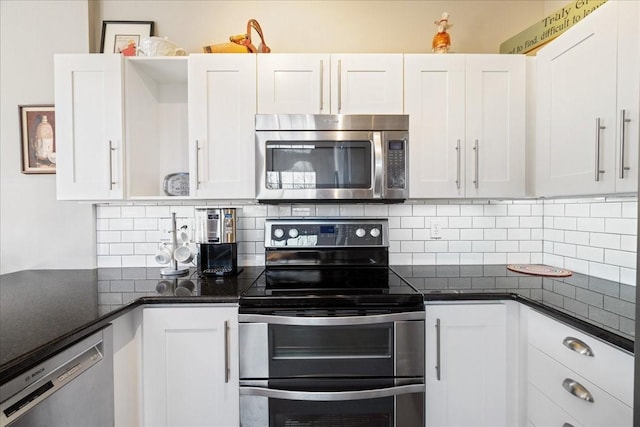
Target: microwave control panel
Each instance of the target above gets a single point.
(329, 234)
(396, 164)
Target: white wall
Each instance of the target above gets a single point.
(36, 231)
(352, 26)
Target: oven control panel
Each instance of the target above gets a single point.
(326, 233)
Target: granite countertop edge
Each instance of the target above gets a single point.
(28, 360)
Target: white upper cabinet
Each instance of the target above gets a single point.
(290, 83)
(222, 106)
(579, 127)
(89, 127)
(467, 125)
(330, 84)
(628, 126)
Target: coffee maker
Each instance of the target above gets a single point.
(216, 241)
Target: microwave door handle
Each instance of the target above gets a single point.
(377, 165)
(331, 395)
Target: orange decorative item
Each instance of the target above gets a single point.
(442, 41)
(241, 43)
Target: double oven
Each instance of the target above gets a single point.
(330, 335)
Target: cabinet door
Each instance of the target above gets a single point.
(628, 96)
(89, 130)
(435, 102)
(366, 84)
(293, 84)
(190, 366)
(222, 106)
(466, 367)
(495, 132)
(576, 93)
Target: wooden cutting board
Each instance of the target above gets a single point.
(539, 270)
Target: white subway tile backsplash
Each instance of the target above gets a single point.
(621, 226)
(577, 209)
(483, 222)
(121, 224)
(620, 258)
(603, 240)
(424, 210)
(590, 224)
(589, 235)
(612, 210)
(472, 234)
(412, 222)
(590, 253)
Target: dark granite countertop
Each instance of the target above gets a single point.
(44, 311)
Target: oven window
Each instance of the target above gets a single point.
(322, 342)
(318, 164)
(358, 413)
(331, 351)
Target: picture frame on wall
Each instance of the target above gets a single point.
(124, 36)
(37, 135)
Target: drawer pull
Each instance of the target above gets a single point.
(578, 346)
(577, 389)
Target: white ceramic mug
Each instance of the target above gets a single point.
(183, 254)
(164, 255)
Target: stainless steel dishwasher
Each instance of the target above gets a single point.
(72, 388)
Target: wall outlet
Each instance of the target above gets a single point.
(435, 230)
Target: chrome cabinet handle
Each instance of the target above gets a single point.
(599, 127)
(197, 165)
(458, 164)
(623, 121)
(111, 150)
(339, 85)
(331, 395)
(579, 346)
(476, 148)
(438, 365)
(321, 85)
(226, 351)
(577, 389)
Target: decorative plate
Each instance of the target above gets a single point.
(176, 184)
(539, 270)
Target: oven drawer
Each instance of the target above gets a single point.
(386, 345)
(385, 407)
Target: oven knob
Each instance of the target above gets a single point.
(293, 233)
(278, 233)
(360, 232)
(375, 232)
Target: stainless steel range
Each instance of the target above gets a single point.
(330, 335)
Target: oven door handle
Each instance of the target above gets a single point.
(331, 395)
(331, 321)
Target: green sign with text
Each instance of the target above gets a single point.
(550, 27)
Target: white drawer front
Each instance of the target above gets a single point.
(609, 367)
(542, 412)
(548, 376)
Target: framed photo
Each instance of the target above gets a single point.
(37, 132)
(124, 36)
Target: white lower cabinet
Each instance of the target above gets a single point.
(574, 379)
(466, 365)
(190, 366)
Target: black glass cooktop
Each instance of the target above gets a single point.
(380, 289)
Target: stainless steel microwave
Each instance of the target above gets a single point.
(332, 157)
